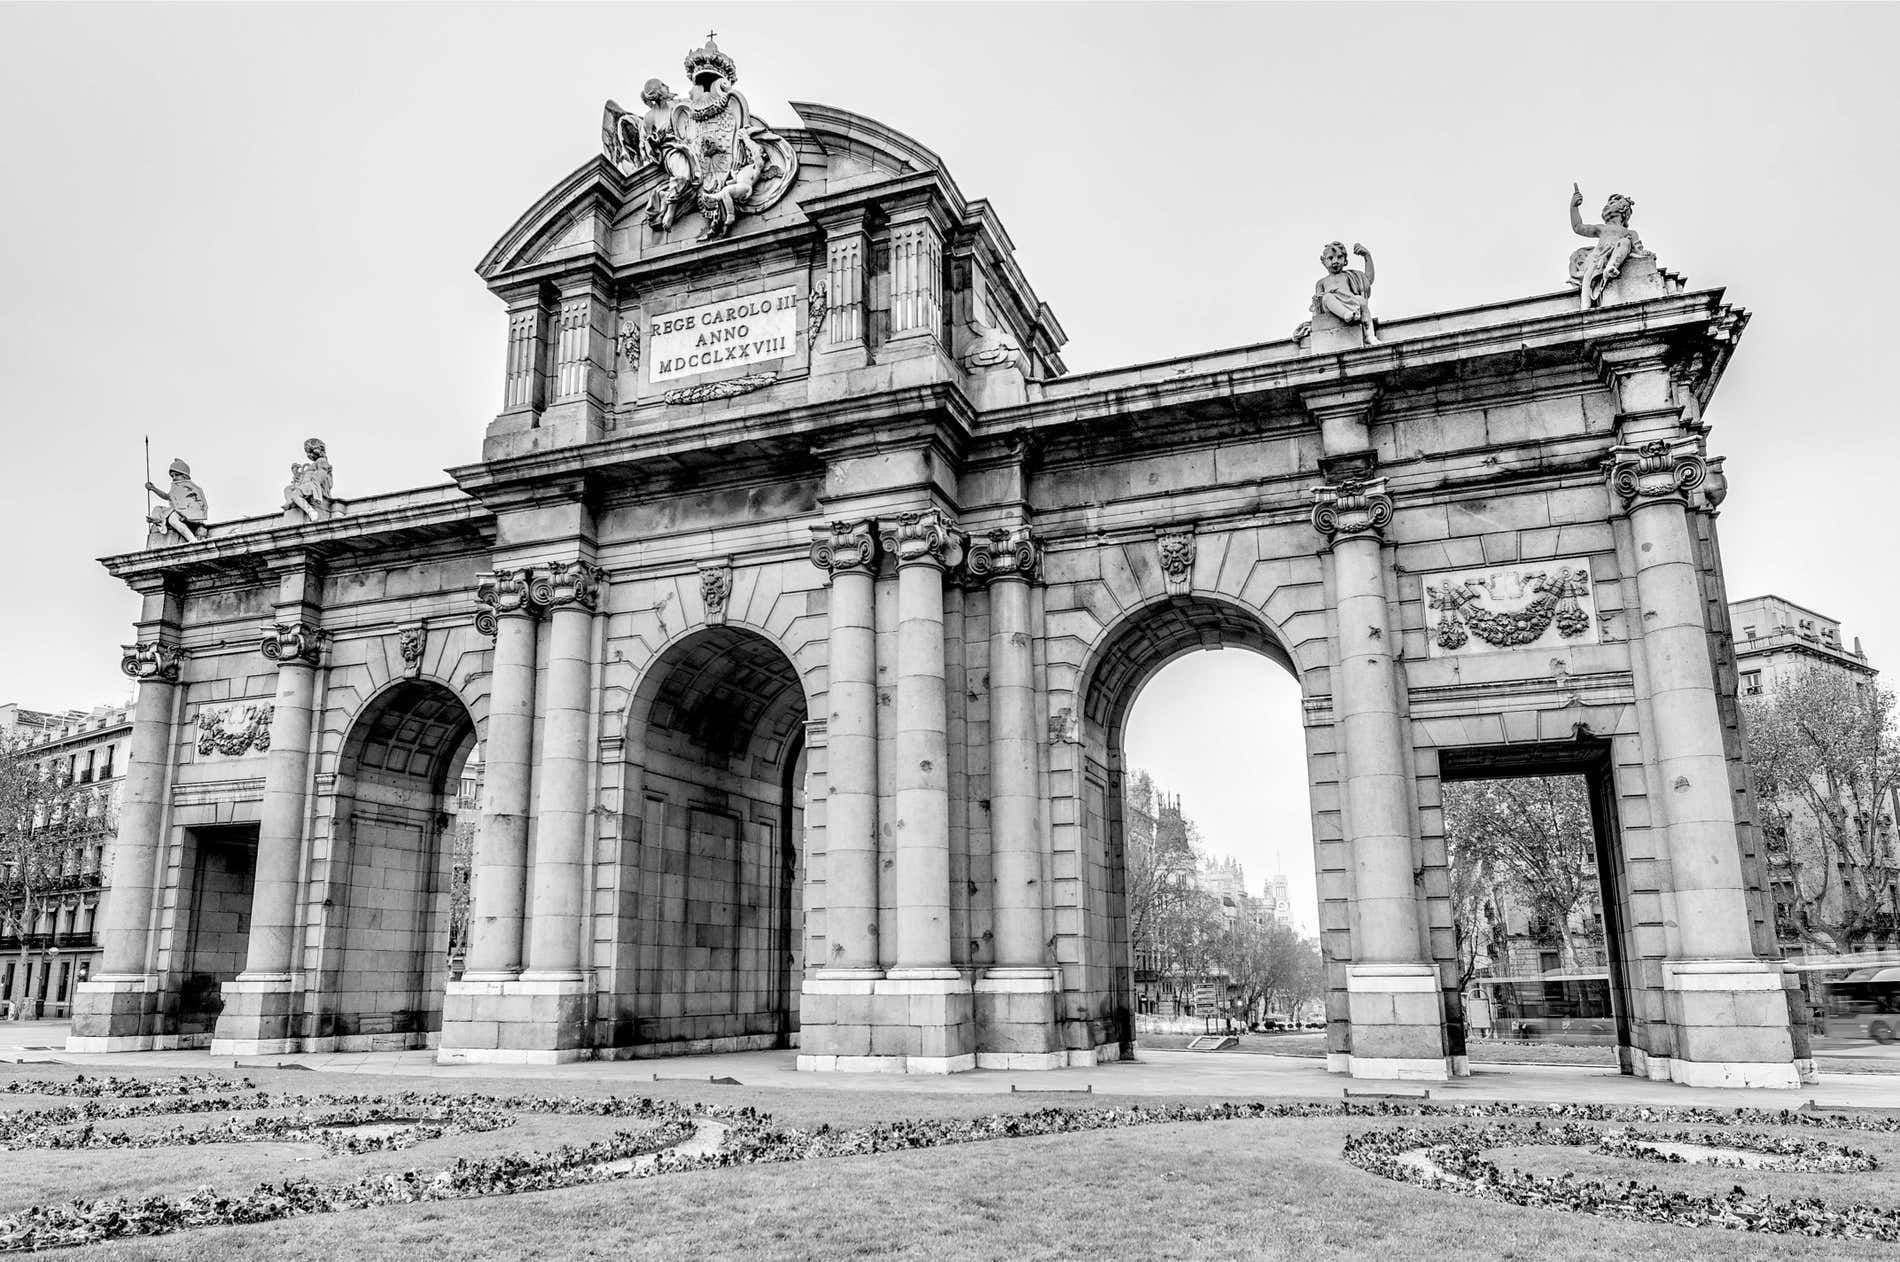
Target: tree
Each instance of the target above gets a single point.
(1159, 859)
(43, 816)
(1268, 962)
(1827, 775)
(1532, 835)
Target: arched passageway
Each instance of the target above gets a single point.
(1134, 653)
(387, 908)
(712, 933)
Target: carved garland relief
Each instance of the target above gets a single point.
(1510, 606)
(232, 730)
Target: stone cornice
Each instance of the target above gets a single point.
(872, 421)
(1439, 342)
(268, 542)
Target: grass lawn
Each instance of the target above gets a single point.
(1258, 1188)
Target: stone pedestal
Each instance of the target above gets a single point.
(1398, 1023)
(1329, 335)
(1731, 1025)
(1016, 1020)
(520, 1021)
(115, 1014)
(915, 1021)
(259, 1017)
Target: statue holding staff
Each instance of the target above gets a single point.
(185, 510)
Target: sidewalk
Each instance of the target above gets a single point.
(1157, 1073)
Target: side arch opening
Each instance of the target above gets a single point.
(1172, 911)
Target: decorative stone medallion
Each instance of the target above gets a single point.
(1520, 605)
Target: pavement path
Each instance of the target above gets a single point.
(1156, 1073)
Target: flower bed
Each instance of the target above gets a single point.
(689, 1137)
(1453, 1160)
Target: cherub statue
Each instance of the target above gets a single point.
(185, 510)
(1345, 293)
(309, 489)
(1594, 267)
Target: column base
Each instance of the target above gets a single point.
(259, 1017)
(115, 1013)
(516, 1021)
(1730, 1020)
(1016, 1020)
(917, 1021)
(1397, 1013)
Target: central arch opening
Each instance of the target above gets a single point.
(1195, 766)
(714, 944)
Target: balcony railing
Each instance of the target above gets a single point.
(41, 941)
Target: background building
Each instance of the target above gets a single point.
(43, 956)
(1776, 638)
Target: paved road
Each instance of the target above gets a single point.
(1157, 1073)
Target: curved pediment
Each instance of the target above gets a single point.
(575, 217)
(641, 200)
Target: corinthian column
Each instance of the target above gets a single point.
(1392, 987)
(925, 544)
(1016, 997)
(848, 551)
(260, 1004)
(1728, 1010)
(509, 610)
(1006, 560)
(116, 1010)
(554, 942)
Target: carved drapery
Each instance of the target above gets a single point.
(153, 660)
(1351, 509)
(1657, 472)
(1004, 553)
(289, 643)
(844, 546)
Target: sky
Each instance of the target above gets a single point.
(231, 228)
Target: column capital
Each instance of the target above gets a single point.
(153, 659)
(506, 593)
(845, 546)
(1659, 472)
(925, 538)
(1352, 508)
(1004, 553)
(562, 583)
(293, 644)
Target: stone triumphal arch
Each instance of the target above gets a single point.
(791, 616)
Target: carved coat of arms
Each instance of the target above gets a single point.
(708, 151)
